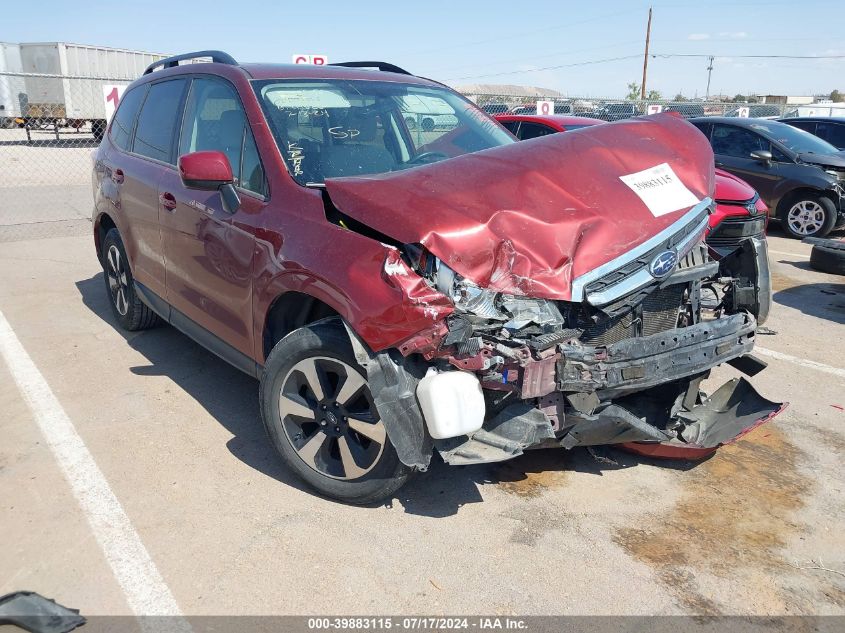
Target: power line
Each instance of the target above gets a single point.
(666, 55)
(534, 70)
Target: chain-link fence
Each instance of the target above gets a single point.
(51, 123)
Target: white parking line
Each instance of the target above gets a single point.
(811, 364)
(790, 254)
(142, 584)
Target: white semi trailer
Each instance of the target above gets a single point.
(11, 83)
(63, 83)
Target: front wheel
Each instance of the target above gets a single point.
(809, 215)
(319, 413)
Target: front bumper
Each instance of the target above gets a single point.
(642, 393)
(639, 363)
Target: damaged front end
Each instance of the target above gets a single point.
(591, 324)
(622, 365)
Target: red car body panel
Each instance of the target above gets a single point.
(729, 188)
(559, 122)
(531, 231)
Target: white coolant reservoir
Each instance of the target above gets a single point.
(452, 403)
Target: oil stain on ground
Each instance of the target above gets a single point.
(532, 474)
(735, 514)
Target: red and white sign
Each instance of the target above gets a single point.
(654, 108)
(743, 113)
(317, 60)
(545, 107)
(112, 95)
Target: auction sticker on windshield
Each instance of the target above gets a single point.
(660, 189)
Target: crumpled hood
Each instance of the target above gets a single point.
(529, 217)
(836, 160)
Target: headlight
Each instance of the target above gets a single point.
(515, 312)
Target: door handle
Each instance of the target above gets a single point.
(117, 176)
(167, 200)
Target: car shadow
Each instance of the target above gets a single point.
(823, 300)
(227, 394)
(231, 398)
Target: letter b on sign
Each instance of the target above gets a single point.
(545, 107)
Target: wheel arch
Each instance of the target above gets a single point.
(793, 194)
(289, 311)
(102, 225)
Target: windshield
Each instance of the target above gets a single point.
(794, 139)
(333, 128)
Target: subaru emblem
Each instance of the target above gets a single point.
(663, 264)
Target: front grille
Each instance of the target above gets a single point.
(732, 231)
(640, 263)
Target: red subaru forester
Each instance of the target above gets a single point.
(401, 289)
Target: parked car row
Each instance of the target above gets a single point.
(399, 294)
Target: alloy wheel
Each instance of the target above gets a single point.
(328, 415)
(806, 217)
(118, 281)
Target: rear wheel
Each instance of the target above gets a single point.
(808, 215)
(131, 313)
(98, 129)
(318, 411)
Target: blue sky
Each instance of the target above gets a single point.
(487, 42)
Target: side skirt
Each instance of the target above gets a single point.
(194, 330)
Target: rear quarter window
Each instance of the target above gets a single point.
(124, 119)
(159, 120)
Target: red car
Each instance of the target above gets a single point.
(739, 212)
(403, 291)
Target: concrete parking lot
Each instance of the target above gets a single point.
(175, 433)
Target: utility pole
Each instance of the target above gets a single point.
(645, 56)
(709, 71)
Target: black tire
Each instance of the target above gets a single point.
(98, 130)
(131, 313)
(427, 124)
(828, 260)
(325, 347)
(410, 123)
(820, 211)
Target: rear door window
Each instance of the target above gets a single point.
(512, 126)
(215, 120)
(833, 133)
(738, 142)
(533, 130)
(809, 126)
(124, 119)
(159, 121)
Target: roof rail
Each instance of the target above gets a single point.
(383, 66)
(218, 57)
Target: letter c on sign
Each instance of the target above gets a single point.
(301, 60)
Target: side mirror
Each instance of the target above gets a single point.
(762, 155)
(210, 171)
